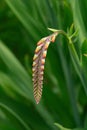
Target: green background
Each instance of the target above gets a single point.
(64, 100)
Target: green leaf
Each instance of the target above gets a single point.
(77, 65)
(62, 128)
(84, 47)
(22, 81)
(78, 18)
(15, 68)
(3, 106)
(20, 10)
(84, 56)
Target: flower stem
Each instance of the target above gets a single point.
(74, 56)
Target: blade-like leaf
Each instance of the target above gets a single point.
(15, 115)
(78, 19)
(62, 128)
(20, 10)
(22, 80)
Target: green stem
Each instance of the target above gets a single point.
(76, 61)
(70, 44)
(59, 32)
(77, 65)
(73, 50)
(69, 80)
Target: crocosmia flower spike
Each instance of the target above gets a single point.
(38, 64)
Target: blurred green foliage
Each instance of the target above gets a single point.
(22, 24)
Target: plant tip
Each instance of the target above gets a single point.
(53, 30)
